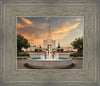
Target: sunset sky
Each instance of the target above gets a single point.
(63, 29)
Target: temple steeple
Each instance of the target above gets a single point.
(49, 34)
(49, 42)
(49, 26)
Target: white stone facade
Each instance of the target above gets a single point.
(35, 55)
(45, 43)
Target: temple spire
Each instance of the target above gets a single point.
(49, 26)
(49, 33)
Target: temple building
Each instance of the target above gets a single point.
(45, 43)
(49, 40)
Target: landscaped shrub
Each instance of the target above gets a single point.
(40, 49)
(36, 50)
(58, 50)
(22, 54)
(76, 54)
(61, 50)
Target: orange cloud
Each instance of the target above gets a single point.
(43, 25)
(25, 24)
(78, 19)
(26, 20)
(47, 18)
(29, 37)
(37, 42)
(58, 36)
(66, 23)
(28, 23)
(33, 40)
(44, 36)
(66, 29)
(55, 35)
(19, 25)
(59, 33)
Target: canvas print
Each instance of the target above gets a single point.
(50, 42)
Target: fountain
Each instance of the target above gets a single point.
(49, 59)
(49, 55)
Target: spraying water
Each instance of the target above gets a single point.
(49, 55)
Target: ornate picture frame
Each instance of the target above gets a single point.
(86, 76)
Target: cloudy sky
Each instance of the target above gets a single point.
(63, 29)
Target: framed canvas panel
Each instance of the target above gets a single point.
(88, 10)
(50, 42)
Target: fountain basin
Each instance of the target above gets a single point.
(47, 63)
(61, 55)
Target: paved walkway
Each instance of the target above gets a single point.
(77, 64)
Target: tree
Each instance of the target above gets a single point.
(59, 48)
(78, 44)
(22, 42)
(36, 50)
(40, 46)
(58, 45)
